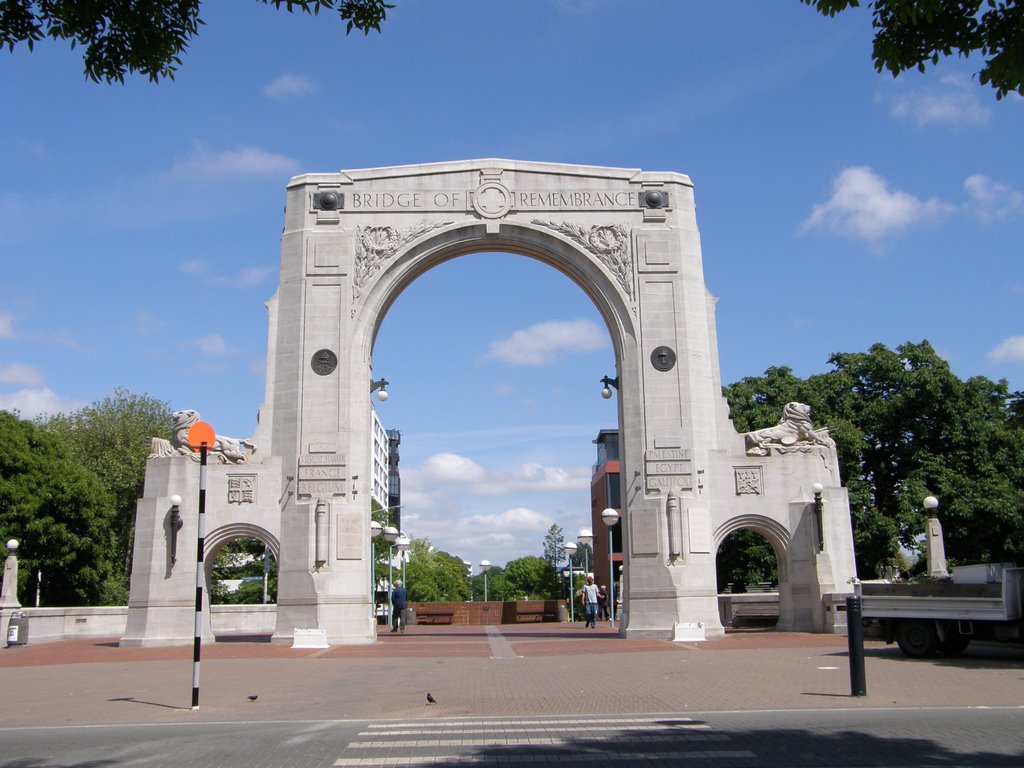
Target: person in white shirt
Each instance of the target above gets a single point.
(590, 591)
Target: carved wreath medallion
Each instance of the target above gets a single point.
(609, 242)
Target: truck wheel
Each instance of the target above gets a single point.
(954, 644)
(917, 639)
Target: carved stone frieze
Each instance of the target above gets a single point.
(376, 245)
(749, 481)
(609, 242)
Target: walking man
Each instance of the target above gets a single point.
(399, 601)
(590, 602)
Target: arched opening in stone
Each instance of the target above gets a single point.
(487, 469)
(240, 564)
(750, 566)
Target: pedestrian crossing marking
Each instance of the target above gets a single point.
(501, 742)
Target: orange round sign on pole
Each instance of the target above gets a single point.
(200, 433)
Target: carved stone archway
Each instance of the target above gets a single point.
(354, 240)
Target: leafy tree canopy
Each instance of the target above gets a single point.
(111, 439)
(144, 36)
(911, 33)
(433, 576)
(59, 512)
(905, 427)
(528, 578)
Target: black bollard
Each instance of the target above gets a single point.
(855, 640)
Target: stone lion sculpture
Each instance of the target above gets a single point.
(794, 432)
(226, 450)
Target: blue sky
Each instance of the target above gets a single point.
(140, 223)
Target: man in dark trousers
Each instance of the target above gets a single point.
(399, 600)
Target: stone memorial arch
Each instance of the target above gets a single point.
(352, 242)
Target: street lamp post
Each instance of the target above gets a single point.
(402, 544)
(585, 538)
(485, 566)
(570, 550)
(376, 529)
(610, 517)
(391, 535)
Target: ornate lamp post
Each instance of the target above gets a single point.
(376, 529)
(391, 535)
(485, 566)
(570, 550)
(817, 488)
(933, 536)
(610, 517)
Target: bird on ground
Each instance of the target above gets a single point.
(254, 697)
(431, 699)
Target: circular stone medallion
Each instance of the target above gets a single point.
(324, 362)
(663, 358)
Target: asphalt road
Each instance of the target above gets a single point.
(764, 739)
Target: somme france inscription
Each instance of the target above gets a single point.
(321, 474)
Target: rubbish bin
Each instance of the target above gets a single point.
(409, 617)
(563, 613)
(17, 629)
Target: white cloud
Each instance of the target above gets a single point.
(193, 267)
(954, 101)
(246, 278)
(534, 478)
(863, 207)
(542, 343)
(20, 375)
(287, 86)
(241, 161)
(6, 325)
(1011, 350)
(449, 468)
(991, 200)
(213, 346)
(515, 519)
(30, 403)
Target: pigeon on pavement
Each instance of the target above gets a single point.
(431, 699)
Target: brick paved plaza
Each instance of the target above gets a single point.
(543, 669)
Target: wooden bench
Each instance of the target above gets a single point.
(533, 613)
(754, 612)
(434, 617)
(530, 615)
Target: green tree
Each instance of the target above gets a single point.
(433, 576)
(144, 36)
(905, 426)
(242, 559)
(528, 578)
(744, 558)
(909, 34)
(58, 511)
(111, 439)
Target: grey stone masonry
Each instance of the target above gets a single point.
(352, 241)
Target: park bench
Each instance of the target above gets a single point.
(430, 616)
(530, 611)
(755, 612)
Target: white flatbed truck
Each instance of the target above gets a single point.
(980, 602)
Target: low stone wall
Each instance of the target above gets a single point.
(50, 624)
